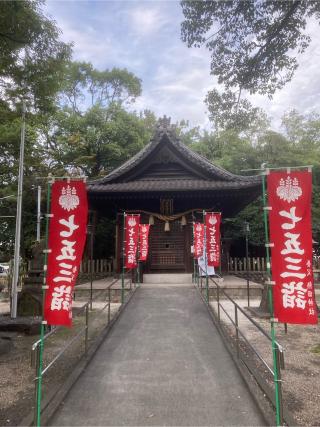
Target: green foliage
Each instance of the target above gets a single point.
(250, 41)
(96, 141)
(32, 58)
(104, 88)
(298, 145)
(10, 129)
(95, 138)
(228, 111)
(251, 44)
(32, 63)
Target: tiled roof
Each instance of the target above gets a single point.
(170, 185)
(217, 177)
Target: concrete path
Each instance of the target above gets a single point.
(163, 364)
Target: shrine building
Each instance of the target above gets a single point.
(170, 186)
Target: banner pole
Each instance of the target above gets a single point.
(138, 256)
(39, 388)
(270, 298)
(205, 255)
(194, 260)
(220, 248)
(123, 258)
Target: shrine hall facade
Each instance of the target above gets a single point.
(170, 186)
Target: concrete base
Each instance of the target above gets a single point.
(168, 279)
(28, 325)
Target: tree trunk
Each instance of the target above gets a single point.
(264, 303)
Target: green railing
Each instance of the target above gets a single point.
(127, 289)
(243, 350)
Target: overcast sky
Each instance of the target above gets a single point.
(144, 37)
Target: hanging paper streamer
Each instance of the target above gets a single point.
(198, 236)
(291, 236)
(212, 222)
(143, 241)
(131, 240)
(67, 236)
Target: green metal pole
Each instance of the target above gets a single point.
(194, 260)
(138, 255)
(39, 389)
(206, 255)
(123, 258)
(270, 298)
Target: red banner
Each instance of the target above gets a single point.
(131, 243)
(291, 236)
(212, 222)
(67, 236)
(198, 235)
(143, 241)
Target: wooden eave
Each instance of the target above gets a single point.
(190, 171)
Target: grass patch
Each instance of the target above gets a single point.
(315, 349)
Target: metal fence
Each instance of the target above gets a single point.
(226, 314)
(82, 334)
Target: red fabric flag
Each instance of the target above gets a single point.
(143, 241)
(212, 222)
(67, 236)
(198, 234)
(131, 246)
(290, 233)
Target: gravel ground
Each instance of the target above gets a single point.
(16, 376)
(301, 386)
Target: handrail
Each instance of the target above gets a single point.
(55, 329)
(35, 348)
(235, 323)
(263, 331)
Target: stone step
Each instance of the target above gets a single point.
(167, 278)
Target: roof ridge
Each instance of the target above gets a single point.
(185, 150)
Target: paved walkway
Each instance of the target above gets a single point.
(162, 364)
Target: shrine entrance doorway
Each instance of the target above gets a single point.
(168, 251)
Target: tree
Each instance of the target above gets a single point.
(298, 144)
(32, 62)
(304, 134)
(228, 111)
(250, 42)
(92, 132)
(96, 141)
(83, 84)
(10, 128)
(32, 58)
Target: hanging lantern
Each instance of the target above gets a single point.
(151, 220)
(167, 226)
(183, 220)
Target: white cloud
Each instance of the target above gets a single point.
(144, 37)
(146, 20)
(303, 91)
